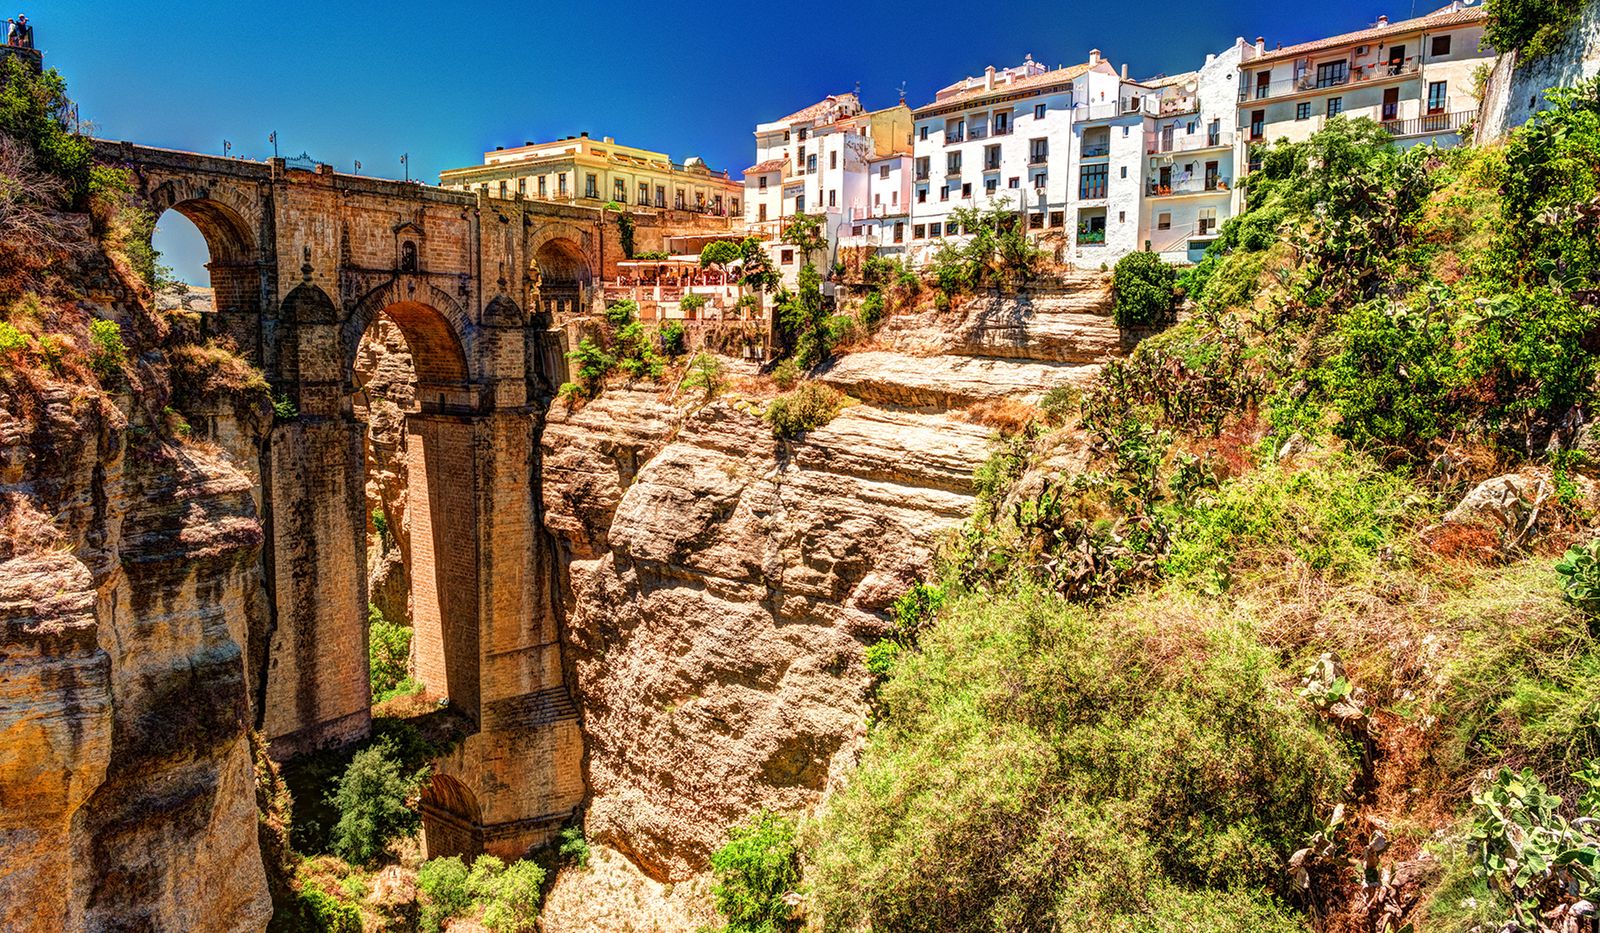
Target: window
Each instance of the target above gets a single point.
(1332, 74)
(762, 184)
(735, 202)
(502, 189)
(991, 158)
(899, 231)
(800, 154)
(966, 190)
(716, 204)
(1015, 182)
(800, 203)
(661, 195)
(811, 164)
(677, 199)
(922, 195)
(935, 230)
(883, 170)
(561, 184)
(922, 168)
(1092, 183)
(788, 257)
(991, 185)
(1437, 101)
(1258, 124)
(1208, 221)
(944, 192)
(922, 133)
(522, 186)
(955, 131)
(918, 231)
(1038, 179)
(857, 230)
(785, 135)
(619, 191)
(894, 198)
(1302, 110)
(1038, 151)
(1124, 171)
(543, 189)
(952, 163)
(1002, 123)
(1441, 46)
(833, 198)
(1038, 111)
(644, 192)
(761, 213)
(833, 159)
(804, 132)
(1122, 217)
(1057, 218)
(591, 186)
(1164, 220)
(1335, 106)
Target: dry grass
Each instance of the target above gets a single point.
(1006, 415)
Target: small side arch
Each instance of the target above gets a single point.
(452, 823)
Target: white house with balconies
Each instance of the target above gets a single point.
(1003, 136)
(1189, 170)
(1414, 76)
(819, 160)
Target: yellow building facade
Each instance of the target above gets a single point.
(592, 172)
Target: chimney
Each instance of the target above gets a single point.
(1211, 57)
(584, 134)
(608, 140)
(1261, 45)
(988, 78)
(499, 149)
(1124, 71)
(1094, 56)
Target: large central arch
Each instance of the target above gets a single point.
(563, 276)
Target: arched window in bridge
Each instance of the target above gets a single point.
(408, 256)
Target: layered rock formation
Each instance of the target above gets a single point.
(386, 385)
(721, 584)
(128, 583)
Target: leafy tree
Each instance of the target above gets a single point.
(1533, 27)
(705, 374)
(802, 320)
(388, 653)
(756, 270)
(594, 363)
(692, 303)
(622, 313)
(807, 233)
(512, 905)
(1142, 289)
(719, 253)
(672, 338)
(754, 870)
(374, 803)
(33, 110)
(1549, 189)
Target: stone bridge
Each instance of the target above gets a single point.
(302, 262)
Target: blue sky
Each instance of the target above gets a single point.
(445, 81)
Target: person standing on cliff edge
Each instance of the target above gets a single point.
(11, 31)
(24, 33)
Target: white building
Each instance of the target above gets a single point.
(820, 160)
(1002, 136)
(1190, 169)
(1414, 76)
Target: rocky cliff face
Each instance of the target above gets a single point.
(722, 585)
(385, 390)
(129, 582)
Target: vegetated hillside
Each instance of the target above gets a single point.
(1295, 651)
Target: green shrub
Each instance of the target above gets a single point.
(1142, 290)
(637, 354)
(324, 913)
(1533, 27)
(1391, 379)
(872, 311)
(107, 353)
(704, 373)
(1579, 572)
(672, 339)
(53, 352)
(512, 905)
(810, 405)
(283, 407)
(33, 111)
(786, 375)
(622, 313)
(374, 800)
(388, 654)
(754, 870)
(573, 847)
(443, 883)
(692, 303)
(594, 364)
(1037, 766)
(12, 343)
(1058, 404)
(1339, 518)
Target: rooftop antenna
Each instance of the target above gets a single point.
(902, 90)
(858, 89)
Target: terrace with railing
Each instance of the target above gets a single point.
(1188, 186)
(1322, 78)
(1430, 125)
(1161, 144)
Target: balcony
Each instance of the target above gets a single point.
(1038, 158)
(1001, 131)
(1188, 142)
(1097, 150)
(979, 132)
(950, 138)
(1192, 186)
(1134, 106)
(1431, 125)
(921, 175)
(1308, 80)
(991, 166)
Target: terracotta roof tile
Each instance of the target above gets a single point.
(1440, 19)
(816, 109)
(761, 168)
(972, 95)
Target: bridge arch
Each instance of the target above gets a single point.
(562, 274)
(437, 328)
(229, 222)
(452, 823)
